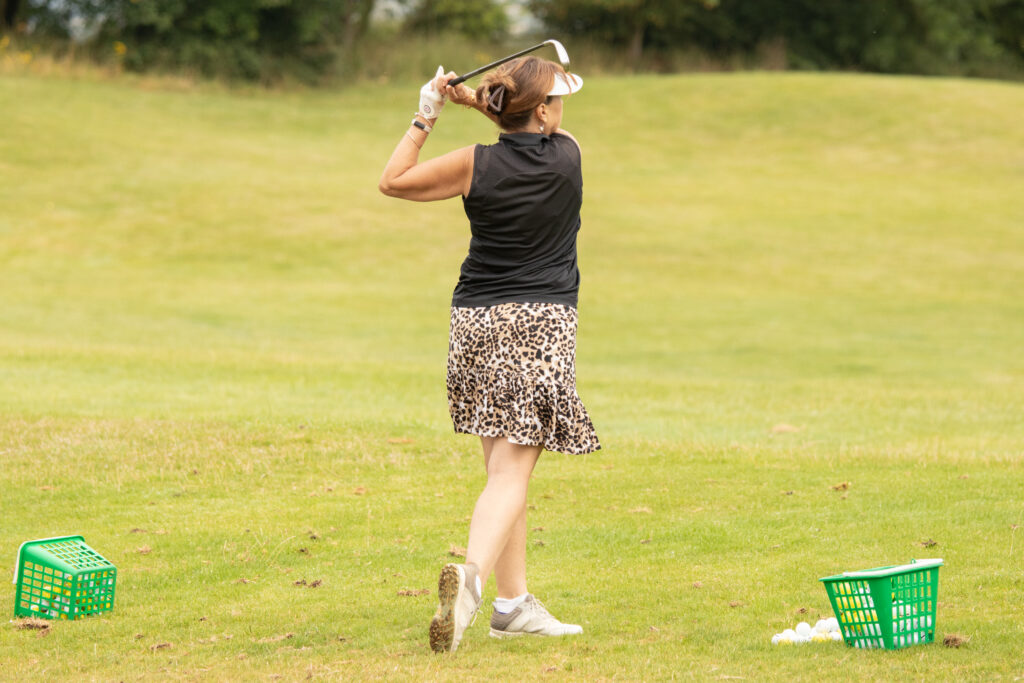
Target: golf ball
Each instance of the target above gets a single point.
(821, 626)
(835, 635)
(833, 625)
(803, 629)
(789, 634)
(776, 638)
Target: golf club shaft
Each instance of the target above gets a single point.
(488, 67)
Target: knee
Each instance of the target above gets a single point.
(511, 463)
(507, 477)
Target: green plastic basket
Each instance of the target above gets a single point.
(62, 578)
(886, 607)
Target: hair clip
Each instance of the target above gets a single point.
(496, 100)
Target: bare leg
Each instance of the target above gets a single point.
(500, 508)
(510, 569)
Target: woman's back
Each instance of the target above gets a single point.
(524, 212)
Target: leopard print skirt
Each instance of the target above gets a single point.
(512, 373)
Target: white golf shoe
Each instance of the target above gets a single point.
(530, 618)
(458, 602)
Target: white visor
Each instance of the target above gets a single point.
(565, 86)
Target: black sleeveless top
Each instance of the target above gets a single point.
(524, 212)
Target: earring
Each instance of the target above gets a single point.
(542, 128)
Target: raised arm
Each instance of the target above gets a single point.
(442, 178)
(446, 176)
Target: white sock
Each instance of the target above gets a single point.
(506, 605)
(479, 588)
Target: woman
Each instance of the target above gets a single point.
(512, 342)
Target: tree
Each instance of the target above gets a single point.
(250, 39)
(634, 23)
(1007, 16)
(477, 19)
(919, 36)
(9, 14)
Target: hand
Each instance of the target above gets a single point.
(461, 93)
(431, 97)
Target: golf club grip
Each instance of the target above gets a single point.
(458, 79)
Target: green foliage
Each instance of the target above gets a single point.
(919, 36)
(248, 39)
(329, 40)
(619, 21)
(9, 11)
(475, 19)
(1007, 18)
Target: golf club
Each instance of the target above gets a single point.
(563, 57)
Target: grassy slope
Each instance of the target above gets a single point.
(216, 331)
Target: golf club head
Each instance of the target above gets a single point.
(563, 56)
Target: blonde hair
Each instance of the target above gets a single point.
(516, 88)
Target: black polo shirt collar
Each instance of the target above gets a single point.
(524, 139)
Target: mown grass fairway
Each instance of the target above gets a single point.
(222, 362)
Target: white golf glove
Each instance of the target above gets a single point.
(431, 100)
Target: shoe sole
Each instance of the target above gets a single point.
(495, 633)
(442, 626)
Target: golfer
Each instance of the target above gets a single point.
(512, 338)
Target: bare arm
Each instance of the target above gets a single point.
(446, 176)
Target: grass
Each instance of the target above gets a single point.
(221, 361)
